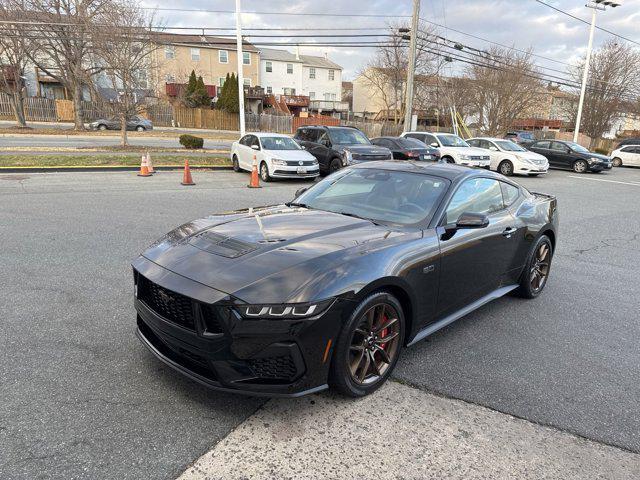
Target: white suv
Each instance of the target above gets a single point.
(452, 148)
(628, 155)
(509, 158)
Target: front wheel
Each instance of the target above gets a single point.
(335, 165)
(139, 128)
(102, 127)
(580, 166)
(369, 346)
(448, 160)
(617, 162)
(536, 271)
(264, 172)
(236, 164)
(506, 168)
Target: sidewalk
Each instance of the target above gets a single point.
(403, 433)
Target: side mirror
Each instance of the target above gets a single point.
(472, 220)
(434, 145)
(255, 147)
(300, 191)
(493, 149)
(303, 147)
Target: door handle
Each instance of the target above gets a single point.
(509, 231)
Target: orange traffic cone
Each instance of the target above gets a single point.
(186, 179)
(144, 167)
(255, 181)
(150, 164)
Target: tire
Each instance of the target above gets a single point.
(534, 174)
(102, 127)
(448, 159)
(617, 162)
(264, 172)
(580, 166)
(506, 168)
(140, 128)
(527, 287)
(335, 165)
(236, 164)
(355, 348)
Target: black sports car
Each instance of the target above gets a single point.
(405, 148)
(327, 289)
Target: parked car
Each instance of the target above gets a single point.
(521, 137)
(408, 148)
(337, 147)
(570, 155)
(509, 158)
(628, 156)
(629, 141)
(136, 123)
(275, 155)
(287, 300)
(452, 148)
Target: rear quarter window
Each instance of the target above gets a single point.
(510, 193)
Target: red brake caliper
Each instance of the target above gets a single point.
(383, 333)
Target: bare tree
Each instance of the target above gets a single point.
(63, 43)
(14, 51)
(613, 87)
(505, 87)
(386, 73)
(126, 49)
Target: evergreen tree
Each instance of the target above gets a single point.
(201, 96)
(232, 102)
(223, 94)
(190, 91)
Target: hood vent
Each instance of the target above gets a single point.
(221, 244)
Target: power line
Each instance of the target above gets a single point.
(304, 14)
(585, 21)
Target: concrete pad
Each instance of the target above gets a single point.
(402, 433)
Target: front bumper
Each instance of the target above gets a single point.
(528, 169)
(475, 163)
(223, 351)
(292, 172)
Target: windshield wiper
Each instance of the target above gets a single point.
(296, 204)
(349, 214)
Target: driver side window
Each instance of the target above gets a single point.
(324, 140)
(476, 195)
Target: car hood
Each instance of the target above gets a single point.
(367, 149)
(234, 252)
(291, 155)
(604, 158)
(467, 150)
(529, 155)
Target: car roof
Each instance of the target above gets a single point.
(492, 139)
(267, 134)
(450, 171)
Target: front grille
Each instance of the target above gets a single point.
(370, 157)
(291, 172)
(479, 157)
(170, 305)
(281, 367)
(295, 163)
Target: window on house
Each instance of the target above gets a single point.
(195, 54)
(268, 67)
(332, 74)
(289, 67)
(312, 72)
(221, 81)
(289, 91)
(141, 78)
(223, 56)
(333, 96)
(269, 90)
(169, 78)
(246, 58)
(312, 95)
(247, 82)
(327, 96)
(169, 52)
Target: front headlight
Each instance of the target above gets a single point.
(594, 160)
(465, 157)
(347, 158)
(288, 311)
(277, 161)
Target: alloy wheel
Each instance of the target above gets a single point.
(580, 166)
(617, 162)
(375, 343)
(540, 267)
(264, 172)
(506, 168)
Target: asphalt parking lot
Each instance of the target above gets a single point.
(81, 398)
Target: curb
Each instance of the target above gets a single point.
(105, 168)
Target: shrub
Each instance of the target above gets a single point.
(191, 142)
(602, 151)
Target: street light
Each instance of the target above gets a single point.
(594, 5)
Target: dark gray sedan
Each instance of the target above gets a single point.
(136, 123)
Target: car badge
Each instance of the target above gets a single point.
(300, 162)
(165, 297)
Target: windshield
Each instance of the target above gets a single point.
(527, 136)
(510, 146)
(279, 143)
(577, 148)
(348, 136)
(452, 141)
(382, 196)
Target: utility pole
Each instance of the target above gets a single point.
(411, 66)
(594, 5)
(240, 65)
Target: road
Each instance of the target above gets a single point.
(81, 398)
(88, 141)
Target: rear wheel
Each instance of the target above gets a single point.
(264, 172)
(506, 168)
(236, 164)
(617, 162)
(102, 127)
(369, 346)
(139, 128)
(580, 166)
(536, 271)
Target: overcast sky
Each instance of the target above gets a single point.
(520, 23)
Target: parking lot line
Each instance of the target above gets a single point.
(635, 184)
